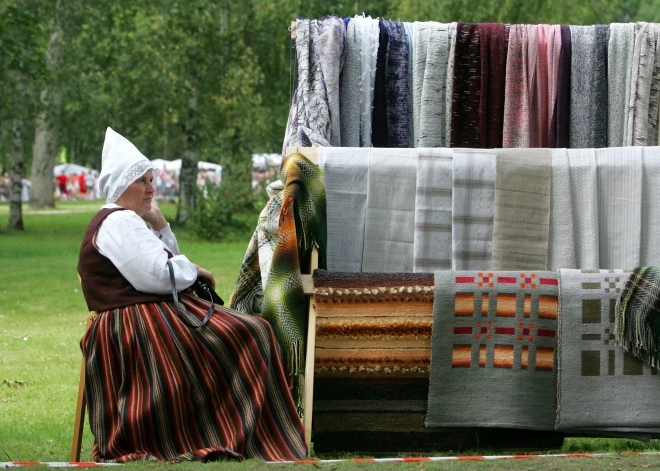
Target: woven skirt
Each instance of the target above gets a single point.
(160, 390)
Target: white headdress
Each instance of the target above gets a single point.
(121, 165)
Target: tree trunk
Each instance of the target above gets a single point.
(189, 159)
(45, 136)
(15, 209)
(43, 159)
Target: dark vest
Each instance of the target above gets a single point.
(103, 284)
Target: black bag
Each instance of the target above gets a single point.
(203, 289)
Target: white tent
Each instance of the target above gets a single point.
(71, 169)
(263, 161)
(175, 166)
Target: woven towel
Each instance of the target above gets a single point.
(619, 74)
(561, 244)
(619, 206)
(559, 127)
(369, 51)
(473, 187)
(346, 174)
(650, 241)
(522, 209)
(601, 388)
(493, 41)
(433, 211)
(584, 198)
(466, 92)
(390, 218)
(493, 350)
(314, 117)
(430, 58)
(638, 315)
(516, 92)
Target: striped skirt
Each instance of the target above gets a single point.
(160, 390)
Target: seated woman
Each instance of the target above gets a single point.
(156, 387)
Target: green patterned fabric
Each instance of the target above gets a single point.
(638, 315)
(302, 225)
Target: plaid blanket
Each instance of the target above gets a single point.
(302, 224)
(638, 315)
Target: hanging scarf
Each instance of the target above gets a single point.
(397, 85)
(619, 68)
(379, 122)
(449, 89)
(493, 40)
(466, 93)
(516, 93)
(429, 70)
(643, 122)
(637, 327)
(302, 224)
(368, 32)
(351, 78)
(314, 114)
(561, 110)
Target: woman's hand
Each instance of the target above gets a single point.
(206, 274)
(155, 218)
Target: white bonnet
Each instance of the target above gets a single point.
(121, 165)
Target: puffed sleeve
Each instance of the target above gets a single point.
(140, 255)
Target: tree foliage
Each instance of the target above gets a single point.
(199, 79)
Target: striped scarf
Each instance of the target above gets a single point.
(302, 225)
(638, 315)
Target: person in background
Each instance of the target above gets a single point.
(25, 189)
(159, 384)
(62, 184)
(82, 185)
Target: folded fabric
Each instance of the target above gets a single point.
(584, 198)
(302, 225)
(638, 315)
(650, 235)
(473, 186)
(390, 217)
(493, 350)
(433, 211)
(602, 389)
(346, 175)
(522, 209)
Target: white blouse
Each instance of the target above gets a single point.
(138, 253)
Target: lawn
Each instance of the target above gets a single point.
(42, 312)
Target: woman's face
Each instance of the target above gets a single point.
(139, 194)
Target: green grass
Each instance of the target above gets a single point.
(42, 312)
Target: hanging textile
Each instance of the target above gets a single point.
(643, 114)
(522, 209)
(351, 86)
(515, 132)
(602, 389)
(466, 92)
(589, 94)
(559, 125)
(619, 76)
(314, 118)
(388, 234)
(346, 175)
(650, 239)
(302, 224)
(493, 350)
(449, 88)
(410, 41)
(473, 186)
(429, 83)
(619, 206)
(433, 211)
(561, 240)
(493, 42)
(584, 198)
